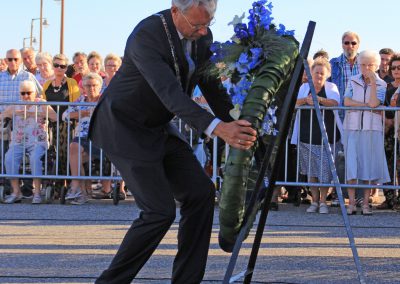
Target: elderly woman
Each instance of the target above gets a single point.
(363, 139)
(312, 155)
(60, 89)
(95, 65)
(112, 62)
(29, 136)
(44, 62)
(80, 148)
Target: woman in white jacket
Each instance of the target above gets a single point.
(363, 139)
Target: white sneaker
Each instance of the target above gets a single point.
(80, 200)
(71, 195)
(37, 199)
(313, 208)
(323, 208)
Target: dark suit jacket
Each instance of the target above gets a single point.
(132, 117)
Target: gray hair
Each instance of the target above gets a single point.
(370, 55)
(350, 33)
(44, 56)
(184, 5)
(92, 75)
(27, 49)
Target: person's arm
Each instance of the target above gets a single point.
(39, 88)
(348, 101)
(373, 99)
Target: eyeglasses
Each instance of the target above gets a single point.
(25, 93)
(56, 65)
(350, 42)
(370, 65)
(395, 67)
(198, 27)
(112, 66)
(91, 86)
(12, 59)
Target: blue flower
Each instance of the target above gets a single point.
(242, 63)
(249, 36)
(256, 57)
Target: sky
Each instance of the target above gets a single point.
(104, 26)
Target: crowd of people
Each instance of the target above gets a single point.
(29, 77)
(361, 81)
(354, 79)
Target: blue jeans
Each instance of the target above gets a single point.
(15, 154)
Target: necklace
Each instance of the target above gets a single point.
(57, 89)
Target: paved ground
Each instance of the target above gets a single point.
(73, 244)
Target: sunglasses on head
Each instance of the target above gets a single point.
(395, 67)
(350, 42)
(25, 93)
(12, 59)
(56, 65)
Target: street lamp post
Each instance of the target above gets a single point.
(43, 22)
(41, 26)
(25, 38)
(61, 26)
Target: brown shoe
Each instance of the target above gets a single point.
(384, 206)
(396, 207)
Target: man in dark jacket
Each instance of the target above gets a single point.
(131, 123)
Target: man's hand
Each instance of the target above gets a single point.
(238, 133)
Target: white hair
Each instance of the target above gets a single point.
(92, 75)
(370, 55)
(27, 85)
(184, 5)
(44, 56)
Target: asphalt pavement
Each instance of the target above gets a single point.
(53, 243)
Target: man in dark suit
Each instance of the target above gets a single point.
(131, 124)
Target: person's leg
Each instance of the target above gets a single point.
(151, 189)
(35, 159)
(76, 160)
(351, 208)
(194, 189)
(12, 162)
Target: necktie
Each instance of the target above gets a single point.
(186, 49)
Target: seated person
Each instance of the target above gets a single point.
(29, 136)
(80, 149)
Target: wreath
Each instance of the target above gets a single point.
(254, 65)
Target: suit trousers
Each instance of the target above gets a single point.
(154, 185)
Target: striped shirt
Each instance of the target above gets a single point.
(9, 86)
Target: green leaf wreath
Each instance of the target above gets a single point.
(254, 65)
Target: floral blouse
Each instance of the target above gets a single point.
(30, 125)
(82, 129)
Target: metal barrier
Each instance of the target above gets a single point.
(39, 113)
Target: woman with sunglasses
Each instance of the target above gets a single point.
(391, 202)
(60, 89)
(29, 136)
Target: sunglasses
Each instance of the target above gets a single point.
(12, 59)
(350, 42)
(395, 67)
(25, 93)
(56, 65)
